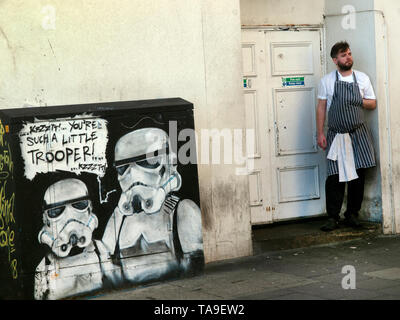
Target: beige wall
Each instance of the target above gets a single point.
(129, 50)
(100, 51)
(280, 12)
(388, 51)
(227, 225)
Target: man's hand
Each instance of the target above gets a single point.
(322, 141)
(369, 104)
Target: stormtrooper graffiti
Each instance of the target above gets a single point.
(151, 233)
(75, 261)
(67, 210)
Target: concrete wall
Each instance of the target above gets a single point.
(57, 53)
(387, 25)
(225, 202)
(279, 12)
(360, 34)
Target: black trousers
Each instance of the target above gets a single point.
(335, 194)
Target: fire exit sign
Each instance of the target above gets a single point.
(293, 81)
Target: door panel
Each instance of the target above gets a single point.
(291, 190)
(252, 120)
(255, 188)
(289, 58)
(294, 113)
(249, 63)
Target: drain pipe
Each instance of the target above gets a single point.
(387, 109)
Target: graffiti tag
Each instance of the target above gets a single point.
(7, 200)
(74, 145)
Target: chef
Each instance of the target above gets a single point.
(343, 95)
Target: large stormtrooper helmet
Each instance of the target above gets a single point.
(146, 170)
(67, 217)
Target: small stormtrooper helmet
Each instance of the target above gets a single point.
(146, 170)
(67, 217)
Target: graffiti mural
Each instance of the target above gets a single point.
(147, 211)
(101, 200)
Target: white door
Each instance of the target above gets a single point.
(281, 72)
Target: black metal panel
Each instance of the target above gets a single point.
(18, 267)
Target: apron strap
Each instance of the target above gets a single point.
(354, 78)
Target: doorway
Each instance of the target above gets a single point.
(281, 72)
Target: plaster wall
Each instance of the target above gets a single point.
(280, 12)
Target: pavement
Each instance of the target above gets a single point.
(300, 263)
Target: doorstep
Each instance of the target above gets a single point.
(306, 233)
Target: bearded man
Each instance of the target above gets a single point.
(343, 95)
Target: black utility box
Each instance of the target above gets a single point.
(97, 196)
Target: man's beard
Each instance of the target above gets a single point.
(344, 67)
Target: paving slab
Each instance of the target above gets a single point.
(335, 292)
(393, 291)
(298, 296)
(162, 292)
(266, 294)
(386, 297)
(388, 274)
(376, 284)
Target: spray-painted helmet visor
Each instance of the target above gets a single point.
(55, 210)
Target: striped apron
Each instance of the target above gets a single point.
(346, 116)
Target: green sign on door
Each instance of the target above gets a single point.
(293, 81)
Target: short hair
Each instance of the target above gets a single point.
(339, 47)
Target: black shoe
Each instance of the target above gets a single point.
(352, 221)
(330, 225)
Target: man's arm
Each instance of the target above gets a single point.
(369, 104)
(321, 116)
(369, 101)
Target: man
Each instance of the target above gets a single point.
(342, 96)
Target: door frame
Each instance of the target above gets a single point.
(311, 27)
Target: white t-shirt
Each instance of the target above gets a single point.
(327, 85)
